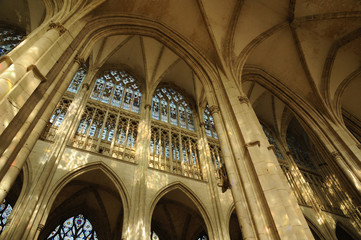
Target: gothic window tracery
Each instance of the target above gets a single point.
(170, 106)
(9, 39)
(209, 123)
(173, 144)
(5, 210)
(76, 227)
(118, 89)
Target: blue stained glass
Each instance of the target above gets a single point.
(9, 39)
(5, 210)
(77, 227)
(155, 108)
(98, 88)
(77, 80)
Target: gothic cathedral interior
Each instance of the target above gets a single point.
(180, 119)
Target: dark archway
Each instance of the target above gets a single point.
(235, 232)
(93, 195)
(176, 217)
(342, 234)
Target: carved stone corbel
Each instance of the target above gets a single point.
(225, 184)
(148, 106)
(6, 59)
(86, 85)
(57, 26)
(251, 144)
(37, 72)
(243, 99)
(79, 60)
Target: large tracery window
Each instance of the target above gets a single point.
(9, 39)
(76, 227)
(170, 106)
(119, 89)
(110, 119)
(173, 147)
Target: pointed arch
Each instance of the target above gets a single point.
(314, 229)
(191, 195)
(103, 168)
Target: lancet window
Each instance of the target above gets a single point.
(209, 124)
(9, 39)
(77, 80)
(76, 227)
(298, 148)
(118, 89)
(5, 210)
(170, 106)
(173, 147)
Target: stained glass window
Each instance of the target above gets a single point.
(209, 124)
(154, 236)
(272, 141)
(204, 237)
(5, 210)
(119, 89)
(170, 106)
(77, 80)
(9, 39)
(298, 147)
(76, 227)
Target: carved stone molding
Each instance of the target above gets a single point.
(225, 184)
(37, 72)
(251, 144)
(148, 106)
(214, 109)
(243, 99)
(359, 146)
(336, 155)
(57, 26)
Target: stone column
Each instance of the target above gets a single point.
(208, 170)
(137, 225)
(242, 209)
(24, 225)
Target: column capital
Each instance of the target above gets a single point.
(243, 99)
(79, 60)
(57, 26)
(148, 106)
(40, 227)
(202, 124)
(214, 109)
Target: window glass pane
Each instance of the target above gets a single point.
(77, 80)
(9, 39)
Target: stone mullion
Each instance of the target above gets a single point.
(244, 214)
(170, 151)
(101, 130)
(33, 207)
(114, 135)
(181, 153)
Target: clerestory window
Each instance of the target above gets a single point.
(9, 39)
(170, 106)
